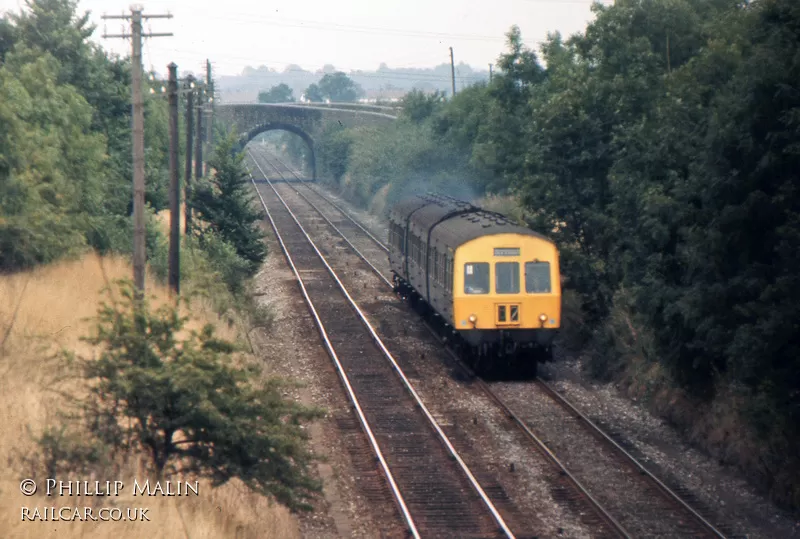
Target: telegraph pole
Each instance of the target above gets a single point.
(453, 71)
(490, 73)
(174, 184)
(210, 101)
(198, 136)
(187, 174)
(139, 254)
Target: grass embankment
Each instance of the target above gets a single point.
(45, 310)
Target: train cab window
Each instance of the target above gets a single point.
(537, 277)
(506, 277)
(476, 278)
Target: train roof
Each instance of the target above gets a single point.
(457, 221)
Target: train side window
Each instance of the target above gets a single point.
(450, 277)
(537, 277)
(435, 256)
(506, 277)
(476, 278)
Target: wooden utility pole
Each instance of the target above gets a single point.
(187, 174)
(490, 73)
(139, 253)
(174, 184)
(453, 71)
(210, 122)
(198, 136)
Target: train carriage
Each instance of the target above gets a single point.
(492, 283)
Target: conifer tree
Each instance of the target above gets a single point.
(225, 204)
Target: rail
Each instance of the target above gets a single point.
(663, 488)
(442, 436)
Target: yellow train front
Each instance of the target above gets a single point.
(490, 283)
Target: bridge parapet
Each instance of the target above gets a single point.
(366, 107)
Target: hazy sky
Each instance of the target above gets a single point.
(355, 34)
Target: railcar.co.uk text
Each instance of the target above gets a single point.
(53, 488)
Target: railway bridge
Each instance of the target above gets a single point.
(307, 121)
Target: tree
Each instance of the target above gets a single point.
(277, 94)
(55, 27)
(419, 106)
(338, 87)
(314, 94)
(225, 204)
(190, 406)
(50, 163)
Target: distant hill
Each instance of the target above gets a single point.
(383, 83)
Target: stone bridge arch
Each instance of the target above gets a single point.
(249, 120)
(281, 126)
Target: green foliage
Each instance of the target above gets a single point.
(73, 187)
(190, 405)
(225, 205)
(334, 150)
(314, 94)
(280, 93)
(337, 87)
(49, 164)
(419, 106)
(659, 149)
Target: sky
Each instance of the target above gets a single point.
(355, 34)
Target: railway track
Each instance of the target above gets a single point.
(643, 504)
(436, 493)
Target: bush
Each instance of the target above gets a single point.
(190, 403)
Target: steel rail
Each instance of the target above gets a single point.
(602, 512)
(442, 436)
(597, 430)
(343, 375)
(359, 253)
(666, 491)
(329, 201)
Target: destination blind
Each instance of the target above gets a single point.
(506, 251)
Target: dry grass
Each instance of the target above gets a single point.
(162, 218)
(49, 314)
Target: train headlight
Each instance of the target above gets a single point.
(542, 317)
(473, 318)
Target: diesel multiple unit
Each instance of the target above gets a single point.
(492, 283)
